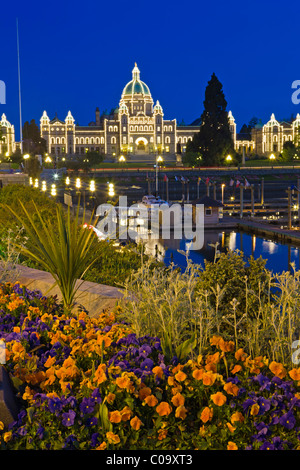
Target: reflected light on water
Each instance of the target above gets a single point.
(232, 241)
(269, 247)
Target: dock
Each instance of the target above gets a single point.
(266, 229)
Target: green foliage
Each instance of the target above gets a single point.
(64, 248)
(32, 141)
(289, 151)
(214, 141)
(239, 300)
(236, 279)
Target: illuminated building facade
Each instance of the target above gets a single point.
(7, 143)
(136, 128)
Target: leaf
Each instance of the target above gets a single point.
(30, 413)
(184, 349)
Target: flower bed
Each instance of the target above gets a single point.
(88, 383)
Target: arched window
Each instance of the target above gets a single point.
(86, 140)
(167, 140)
(110, 129)
(102, 140)
(116, 128)
(113, 140)
(82, 140)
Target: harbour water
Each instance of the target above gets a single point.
(279, 256)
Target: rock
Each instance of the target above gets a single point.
(8, 405)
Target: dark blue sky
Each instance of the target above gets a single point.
(79, 55)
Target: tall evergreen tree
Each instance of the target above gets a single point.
(32, 140)
(214, 140)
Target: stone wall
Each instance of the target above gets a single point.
(95, 298)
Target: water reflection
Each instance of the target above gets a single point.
(279, 256)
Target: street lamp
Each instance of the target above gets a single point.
(111, 190)
(44, 186)
(228, 158)
(53, 190)
(272, 157)
(36, 183)
(92, 186)
(78, 183)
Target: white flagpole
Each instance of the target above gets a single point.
(19, 80)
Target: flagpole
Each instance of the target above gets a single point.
(19, 80)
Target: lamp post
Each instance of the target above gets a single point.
(158, 159)
(78, 186)
(44, 186)
(92, 189)
(26, 158)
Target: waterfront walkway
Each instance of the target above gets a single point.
(264, 228)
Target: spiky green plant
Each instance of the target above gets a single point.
(61, 246)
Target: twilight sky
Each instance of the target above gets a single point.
(79, 55)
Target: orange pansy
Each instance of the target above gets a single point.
(151, 400)
(295, 374)
(206, 414)
(181, 412)
(254, 409)
(115, 416)
(144, 392)
(209, 378)
(237, 416)
(180, 376)
(158, 372)
(178, 399)
(236, 369)
(112, 438)
(232, 446)
(218, 398)
(123, 382)
(277, 369)
(164, 409)
(198, 374)
(231, 388)
(135, 423)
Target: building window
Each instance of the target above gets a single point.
(208, 211)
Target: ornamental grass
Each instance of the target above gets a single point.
(86, 383)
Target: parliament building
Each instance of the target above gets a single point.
(136, 129)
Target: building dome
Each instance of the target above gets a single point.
(4, 122)
(136, 86)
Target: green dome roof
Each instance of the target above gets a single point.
(136, 85)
